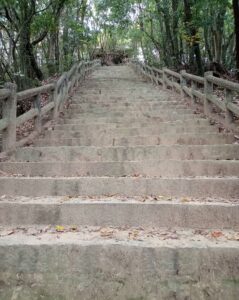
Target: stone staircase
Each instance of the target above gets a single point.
(131, 195)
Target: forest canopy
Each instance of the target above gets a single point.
(41, 38)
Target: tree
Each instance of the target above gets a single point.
(236, 17)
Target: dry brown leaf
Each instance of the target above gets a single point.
(74, 228)
(107, 232)
(133, 235)
(234, 237)
(7, 232)
(66, 198)
(143, 199)
(185, 200)
(32, 231)
(173, 237)
(217, 234)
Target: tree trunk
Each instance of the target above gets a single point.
(192, 32)
(236, 18)
(28, 63)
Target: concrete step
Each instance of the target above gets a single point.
(122, 222)
(121, 95)
(116, 263)
(138, 153)
(190, 123)
(226, 188)
(138, 212)
(127, 109)
(88, 107)
(125, 102)
(125, 132)
(127, 121)
(163, 168)
(129, 112)
(126, 114)
(162, 139)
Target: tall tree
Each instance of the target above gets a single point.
(236, 18)
(193, 38)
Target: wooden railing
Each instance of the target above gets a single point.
(58, 93)
(199, 89)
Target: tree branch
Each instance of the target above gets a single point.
(40, 38)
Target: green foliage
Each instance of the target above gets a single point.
(173, 33)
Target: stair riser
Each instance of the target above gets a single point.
(98, 186)
(227, 152)
(105, 140)
(150, 168)
(185, 216)
(104, 271)
(84, 133)
(120, 107)
(124, 98)
(189, 123)
(127, 111)
(129, 121)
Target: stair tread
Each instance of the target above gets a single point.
(138, 237)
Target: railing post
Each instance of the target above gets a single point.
(83, 70)
(157, 78)
(9, 111)
(80, 68)
(38, 118)
(229, 114)
(173, 80)
(183, 82)
(151, 75)
(56, 102)
(138, 68)
(65, 93)
(208, 90)
(164, 79)
(194, 87)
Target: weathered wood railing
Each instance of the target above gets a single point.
(58, 93)
(199, 89)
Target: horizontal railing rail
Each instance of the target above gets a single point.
(199, 89)
(57, 93)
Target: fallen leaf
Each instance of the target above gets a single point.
(133, 235)
(234, 237)
(173, 237)
(185, 199)
(217, 234)
(142, 199)
(107, 232)
(66, 198)
(7, 232)
(157, 198)
(32, 231)
(60, 228)
(74, 228)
